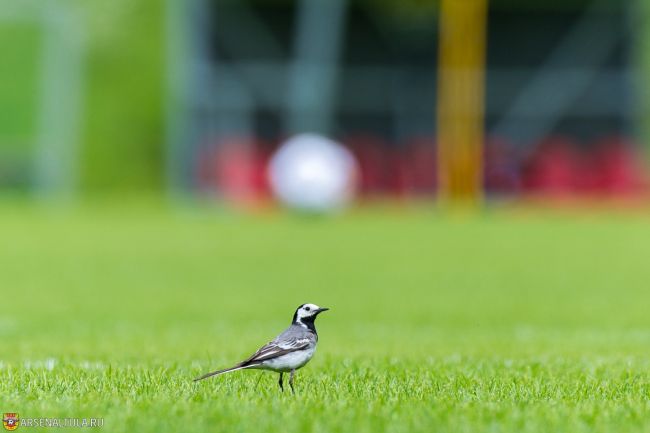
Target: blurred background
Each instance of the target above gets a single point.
(138, 116)
(534, 99)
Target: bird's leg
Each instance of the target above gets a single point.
(280, 383)
(291, 380)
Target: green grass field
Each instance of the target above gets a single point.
(503, 323)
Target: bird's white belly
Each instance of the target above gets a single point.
(290, 361)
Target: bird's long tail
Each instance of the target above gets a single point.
(225, 370)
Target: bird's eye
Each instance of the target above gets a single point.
(307, 308)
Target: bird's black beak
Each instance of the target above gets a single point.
(320, 310)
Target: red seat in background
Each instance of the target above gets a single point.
(551, 168)
(501, 167)
(620, 167)
(370, 152)
(421, 166)
(234, 168)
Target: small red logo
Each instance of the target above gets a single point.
(10, 421)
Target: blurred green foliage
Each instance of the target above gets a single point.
(20, 81)
(20, 47)
(122, 90)
(125, 95)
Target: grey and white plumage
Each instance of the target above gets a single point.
(287, 352)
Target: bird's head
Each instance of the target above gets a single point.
(307, 313)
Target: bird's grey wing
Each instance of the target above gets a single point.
(278, 347)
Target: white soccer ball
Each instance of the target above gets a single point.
(313, 173)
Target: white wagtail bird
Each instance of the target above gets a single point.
(288, 352)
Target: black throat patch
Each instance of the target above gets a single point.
(306, 321)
